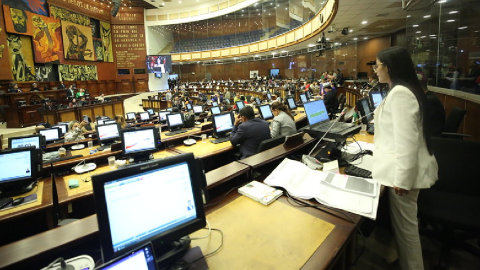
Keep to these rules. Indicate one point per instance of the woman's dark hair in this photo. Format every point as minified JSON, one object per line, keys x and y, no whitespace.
{"x":402,"y":72}
{"x":279,"y":106}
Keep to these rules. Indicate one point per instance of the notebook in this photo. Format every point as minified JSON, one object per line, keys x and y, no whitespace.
{"x":260,"y":192}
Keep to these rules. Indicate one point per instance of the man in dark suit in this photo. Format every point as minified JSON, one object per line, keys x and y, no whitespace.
{"x":330,"y":99}
{"x":70,"y":92}
{"x":61,"y":85}
{"x":249,"y":132}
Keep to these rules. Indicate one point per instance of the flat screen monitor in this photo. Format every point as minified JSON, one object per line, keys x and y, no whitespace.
{"x":269,"y":97}
{"x":158,"y":201}
{"x":158,"y":75}
{"x":240,"y":104}
{"x":274,"y":72}
{"x":108,"y":122}
{"x":169,"y":109}
{"x":63,"y":128}
{"x":316,"y":112}
{"x":222,"y":124}
{"x":364,"y":109}
{"x":150,"y":111}
{"x":162,"y":116}
{"x":291,"y":103}
{"x":36,"y":140}
{"x":18,"y":170}
{"x":144,"y":116}
{"x":51,"y":134}
{"x":141,"y":258}
{"x":108,"y":133}
{"x":214,"y":103}
{"x":131,"y":116}
{"x":189,"y":106}
{"x":257,"y":100}
{"x":100,"y":122}
{"x":175,"y":120}
{"x":215,"y":110}
{"x":375,"y":98}
{"x":159,"y":64}
{"x":197,"y":109}
{"x":308,"y":95}
{"x":140,"y":141}
{"x":303,"y":98}
{"x":265,"y":112}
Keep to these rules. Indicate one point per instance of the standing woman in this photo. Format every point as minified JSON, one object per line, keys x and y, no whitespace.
{"x":403,"y":159}
{"x":283,"y":123}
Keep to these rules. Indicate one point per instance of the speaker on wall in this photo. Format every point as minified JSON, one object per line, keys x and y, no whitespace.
{"x":115,"y":7}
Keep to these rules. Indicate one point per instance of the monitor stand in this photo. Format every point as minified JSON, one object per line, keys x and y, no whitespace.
{"x":171,"y":252}
{"x":140,"y":158}
{"x":14,"y":190}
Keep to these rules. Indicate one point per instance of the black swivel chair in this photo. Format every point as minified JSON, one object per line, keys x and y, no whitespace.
{"x":452,"y":124}
{"x":270,"y":143}
{"x":452,"y":205}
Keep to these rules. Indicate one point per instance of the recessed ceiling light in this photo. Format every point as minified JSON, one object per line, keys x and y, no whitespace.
{"x":415,"y":25}
{"x":351,"y":30}
{"x":423,"y":36}
{"x":365,"y":38}
{"x":453,"y":12}
{"x":427,"y":16}
{"x":355,"y":39}
{"x":311,"y":45}
{"x":408,"y":16}
{"x":450,"y":20}
{"x":284,"y":51}
{"x":364,"y":22}
{"x":418,"y":32}
{"x":442,"y":1}
{"x":463,"y":27}
{"x":179,"y":2}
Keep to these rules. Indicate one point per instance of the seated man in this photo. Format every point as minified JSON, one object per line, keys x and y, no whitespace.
{"x":249,"y":132}
{"x":34,"y":88}
{"x":330,"y":99}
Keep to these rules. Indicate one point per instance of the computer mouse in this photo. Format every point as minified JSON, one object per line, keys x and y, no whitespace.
{"x":18,"y":201}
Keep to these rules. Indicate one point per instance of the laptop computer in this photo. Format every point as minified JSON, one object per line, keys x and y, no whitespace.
{"x":319,"y":121}
{"x":141,"y":258}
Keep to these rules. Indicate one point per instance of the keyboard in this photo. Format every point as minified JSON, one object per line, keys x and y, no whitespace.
{"x":4,"y":202}
{"x":221,"y":140}
{"x":175,"y":132}
{"x":101,"y":148}
{"x":337,"y":127}
{"x":356,"y":171}
{"x":57,"y":159}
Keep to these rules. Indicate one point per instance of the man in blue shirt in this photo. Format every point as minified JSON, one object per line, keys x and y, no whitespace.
{"x":248,"y":132}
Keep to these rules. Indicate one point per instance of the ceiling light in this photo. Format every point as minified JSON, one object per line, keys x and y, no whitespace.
{"x":408,"y":16}
{"x":442,"y":1}
{"x":179,"y":2}
{"x":365,"y":38}
{"x":453,"y":12}
{"x":423,"y":36}
{"x":450,"y":20}
{"x":311,"y":45}
{"x":415,"y":25}
{"x":364,"y":22}
{"x":427,"y":16}
{"x":463,"y":27}
{"x":350,"y":30}
{"x":284,"y":51}
{"x":355,"y":39}
{"x":418,"y":32}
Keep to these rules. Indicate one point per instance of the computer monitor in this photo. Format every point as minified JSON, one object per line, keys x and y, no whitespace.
{"x":308,"y":95}
{"x":141,"y":258}
{"x":364,"y":109}
{"x":291,"y":103}
{"x":214,"y":103}
{"x":108,"y":133}
{"x":188,"y":106}
{"x":63,"y":128}
{"x":51,"y":134}
{"x":197,"y":109}
{"x":144,"y":116}
{"x":36,"y":140}
{"x":266,"y":112}
{"x":303,"y":98}
{"x":175,"y":121}
{"x":240,"y":104}
{"x":257,"y":100}
{"x":150,"y":111}
{"x":269,"y":97}
{"x":222,"y":124}
{"x":169,"y":109}
{"x":376,"y":98}
{"x":108,"y":122}
{"x":316,"y":112}
{"x":18,"y":169}
{"x":158,"y":201}
{"x":131,"y":116}
{"x":215,"y":110}
{"x":101,"y":122}
{"x":162,"y":116}
{"x":139,"y":143}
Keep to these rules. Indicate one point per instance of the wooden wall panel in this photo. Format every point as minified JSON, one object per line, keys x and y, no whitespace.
{"x":97,"y":111}
{"x":108,"y":111}
{"x":367,"y":51}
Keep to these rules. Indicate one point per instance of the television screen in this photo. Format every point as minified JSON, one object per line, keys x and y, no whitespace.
{"x":108,"y":132}
{"x":274,"y":71}
{"x":158,"y":75}
{"x":214,"y":103}
{"x":150,"y":111}
{"x":257,"y":100}
{"x":316,"y":112}
{"x":159,"y":63}
{"x":376,"y":98}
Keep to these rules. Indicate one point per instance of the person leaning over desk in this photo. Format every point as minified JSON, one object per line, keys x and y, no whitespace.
{"x":283,"y":124}
{"x":403,"y":159}
{"x":75,"y":132}
{"x":249,"y":132}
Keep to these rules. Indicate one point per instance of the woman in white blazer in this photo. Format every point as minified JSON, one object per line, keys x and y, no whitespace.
{"x":403,"y":159}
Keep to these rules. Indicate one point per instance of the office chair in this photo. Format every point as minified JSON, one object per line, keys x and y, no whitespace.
{"x":270,"y":143}
{"x":452,"y":124}
{"x":452,"y":205}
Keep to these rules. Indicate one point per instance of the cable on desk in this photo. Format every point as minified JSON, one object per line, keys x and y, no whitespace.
{"x":213,"y":252}
{"x":208,"y":234}
{"x":321,"y":208}
{"x":224,"y":196}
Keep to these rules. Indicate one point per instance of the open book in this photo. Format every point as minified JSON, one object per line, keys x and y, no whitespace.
{"x":356,"y":195}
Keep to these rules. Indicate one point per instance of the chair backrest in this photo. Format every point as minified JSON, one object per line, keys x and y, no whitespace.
{"x":457,"y":166}
{"x":270,"y":143}
{"x":454,"y":119}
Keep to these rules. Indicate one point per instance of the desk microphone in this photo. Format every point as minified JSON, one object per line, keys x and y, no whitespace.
{"x":189,"y":141}
{"x":86,"y":167}
{"x":312,"y":162}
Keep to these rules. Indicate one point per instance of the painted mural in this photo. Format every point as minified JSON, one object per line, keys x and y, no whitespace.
{"x":18,"y":21}
{"x":77,"y":41}
{"x":47,"y":39}
{"x":69,"y":16}
{"x":77,"y":72}
{"x":35,"y":6}
{"x":106,"y":34}
{"x":21,"y":59}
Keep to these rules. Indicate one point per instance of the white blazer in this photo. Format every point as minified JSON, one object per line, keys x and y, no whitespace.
{"x":401,"y":156}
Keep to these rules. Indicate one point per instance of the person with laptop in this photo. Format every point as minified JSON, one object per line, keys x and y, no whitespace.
{"x":249,"y":132}
{"x":403,"y":160}
{"x":75,"y":132}
{"x":283,"y":124}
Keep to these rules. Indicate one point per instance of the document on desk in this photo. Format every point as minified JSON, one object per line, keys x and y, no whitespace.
{"x":356,"y":195}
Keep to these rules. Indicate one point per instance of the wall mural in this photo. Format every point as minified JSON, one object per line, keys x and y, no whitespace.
{"x":77,"y":73}
{"x":46,"y":73}
{"x":18,"y":21}
{"x":35,"y":6}
{"x":77,"y":41}
{"x":69,"y":16}
{"x":106,"y":34}
{"x":47,"y":39}
{"x":21,"y":59}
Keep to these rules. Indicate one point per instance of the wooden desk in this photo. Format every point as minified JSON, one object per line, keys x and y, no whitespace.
{"x":197,"y":130}
{"x":103,"y":155}
{"x":205,"y":150}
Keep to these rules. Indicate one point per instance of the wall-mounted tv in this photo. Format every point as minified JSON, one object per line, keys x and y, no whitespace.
{"x":159,"y":63}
